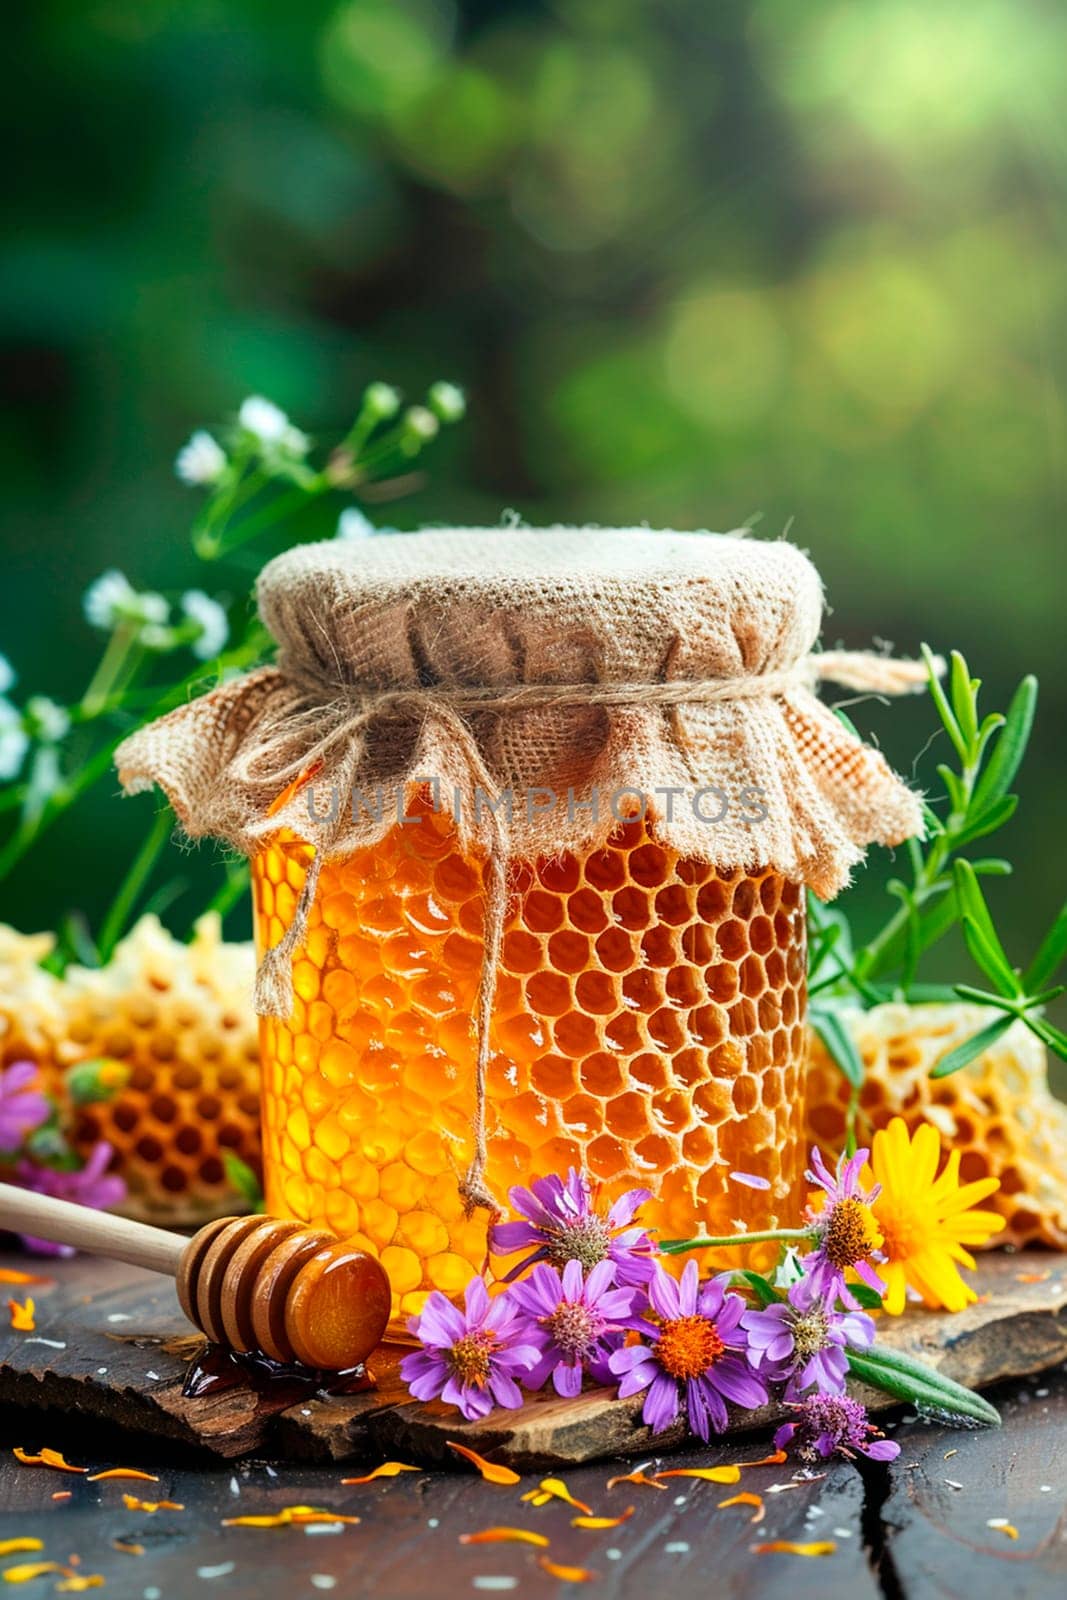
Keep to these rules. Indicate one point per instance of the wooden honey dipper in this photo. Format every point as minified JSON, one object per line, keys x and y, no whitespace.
{"x":250,"y":1283}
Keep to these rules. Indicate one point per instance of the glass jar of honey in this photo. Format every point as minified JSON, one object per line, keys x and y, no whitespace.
{"x":531,"y":816}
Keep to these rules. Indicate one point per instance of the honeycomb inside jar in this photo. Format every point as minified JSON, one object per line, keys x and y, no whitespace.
{"x":648,"y":1027}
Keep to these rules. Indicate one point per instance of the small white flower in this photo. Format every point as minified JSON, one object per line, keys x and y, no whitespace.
{"x":7,"y":675}
{"x":263,"y":419}
{"x":51,"y":722}
{"x":295,"y":442}
{"x":157,"y":636}
{"x":111,"y":599}
{"x":108,"y":598}
{"x":14,"y":741}
{"x":352,"y":524}
{"x":202,"y":460}
{"x":211,"y":618}
{"x":421,"y":422}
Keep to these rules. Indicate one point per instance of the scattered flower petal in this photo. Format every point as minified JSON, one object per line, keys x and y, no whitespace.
{"x":388,"y":1469}
{"x":775,"y":1459}
{"x":26,"y":1571}
{"x":745,"y":1499}
{"x":126,"y":1548}
{"x":62,"y":1494}
{"x":78,"y":1582}
{"x":750,"y":1180}
{"x":709,"y":1474}
{"x":821,"y":1547}
{"x":1002,"y":1525}
{"x":491,"y":1471}
{"x":299,"y":1516}
{"x":566,"y":1574}
{"x":555,"y":1489}
{"x":47,"y":1458}
{"x":14,"y":1547}
{"x":131,"y":1502}
{"x":121,"y":1472}
{"x":595,"y":1523}
{"x":22,"y":1315}
{"x":504,"y":1536}
{"x":13,"y":1275}
{"x":636,"y":1477}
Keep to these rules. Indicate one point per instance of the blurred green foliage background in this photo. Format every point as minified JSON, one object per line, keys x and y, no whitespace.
{"x":794,"y":260}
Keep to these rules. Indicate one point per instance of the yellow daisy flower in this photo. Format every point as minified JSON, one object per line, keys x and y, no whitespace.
{"x":925,"y":1220}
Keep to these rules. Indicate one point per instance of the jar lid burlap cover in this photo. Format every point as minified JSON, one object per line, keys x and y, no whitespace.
{"x":566,"y":661}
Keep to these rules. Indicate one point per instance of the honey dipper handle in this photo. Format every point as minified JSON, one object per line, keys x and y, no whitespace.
{"x":96,"y":1231}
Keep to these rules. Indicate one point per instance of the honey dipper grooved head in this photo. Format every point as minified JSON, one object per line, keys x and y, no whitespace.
{"x":257,"y":1283}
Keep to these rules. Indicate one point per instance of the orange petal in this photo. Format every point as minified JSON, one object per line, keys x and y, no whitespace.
{"x":491,"y":1471}
{"x":12,"y":1275}
{"x":503,"y":1536}
{"x":388,"y":1469}
{"x":126,"y":1548}
{"x":603,"y":1522}
{"x":47,"y":1458}
{"x":121,"y":1472}
{"x":1032,"y":1277}
{"x":636,"y":1477}
{"x":300,"y":1516}
{"x":822,"y":1547}
{"x":745,"y":1500}
{"x":62,"y":1494}
{"x":14,"y":1547}
{"x":556,"y":1489}
{"x":775,"y":1459}
{"x":566,"y":1574}
{"x":709,"y":1474}
{"x":131,"y":1502}
{"x":1002,"y":1525}
{"x":28,"y":1570}
{"x":80,"y":1581}
{"x":22,"y":1315}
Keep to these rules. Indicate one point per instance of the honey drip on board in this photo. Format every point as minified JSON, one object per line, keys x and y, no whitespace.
{"x":648,"y":1026}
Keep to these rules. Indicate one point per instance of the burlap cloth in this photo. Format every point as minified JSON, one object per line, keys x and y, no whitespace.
{"x":565,"y":662}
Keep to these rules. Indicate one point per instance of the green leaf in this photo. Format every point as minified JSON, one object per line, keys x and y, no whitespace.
{"x":1010,"y":747}
{"x":839,"y":1043}
{"x":972,"y":1047}
{"x":243,"y":1179}
{"x":982,"y":940}
{"x":907,"y":1379}
{"x":762,"y":1288}
{"x":980,"y":824}
{"x":868,"y":1298}
{"x":1052,"y":950}
{"x":1049,"y":1035}
{"x":991,"y":960}
{"x":964,"y":690}
{"x":944,"y":710}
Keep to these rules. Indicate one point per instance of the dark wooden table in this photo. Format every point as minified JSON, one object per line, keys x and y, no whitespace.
{"x":920,"y":1528}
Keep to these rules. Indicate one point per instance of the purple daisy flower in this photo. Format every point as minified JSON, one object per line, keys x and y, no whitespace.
{"x":697,"y":1358}
{"x":802,"y":1341}
{"x":845,"y":1231}
{"x":22,"y":1105}
{"x":89,"y":1185}
{"x":829,"y":1424}
{"x":469,"y":1358}
{"x":576,"y":1322}
{"x":562,"y":1224}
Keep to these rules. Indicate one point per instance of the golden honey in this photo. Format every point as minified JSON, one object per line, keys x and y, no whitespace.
{"x":648,"y":1026}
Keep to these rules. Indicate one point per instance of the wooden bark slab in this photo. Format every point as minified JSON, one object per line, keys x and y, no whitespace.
{"x":111,"y":1343}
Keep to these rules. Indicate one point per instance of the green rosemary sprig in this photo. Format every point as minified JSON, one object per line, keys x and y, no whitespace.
{"x":944,"y":893}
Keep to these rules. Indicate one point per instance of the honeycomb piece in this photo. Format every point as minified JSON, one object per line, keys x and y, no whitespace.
{"x":649,"y":1026}
{"x":31,"y":1004}
{"x":180,"y":1018}
{"x":997,"y":1111}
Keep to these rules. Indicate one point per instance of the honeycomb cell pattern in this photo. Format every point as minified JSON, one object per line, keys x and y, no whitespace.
{"x":648,"y":1027}
{"x":178,"y":1017}
{"x":997,"y":1111}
